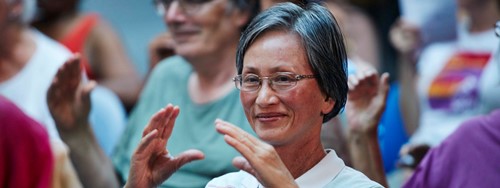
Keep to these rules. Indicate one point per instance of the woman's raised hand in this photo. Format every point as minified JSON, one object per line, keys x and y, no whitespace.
{"x":259,"y":158}
{"x":151,"y":163}
{"x":68,"y":98}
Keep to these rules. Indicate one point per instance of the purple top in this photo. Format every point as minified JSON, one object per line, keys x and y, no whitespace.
{"x":470,"y":157}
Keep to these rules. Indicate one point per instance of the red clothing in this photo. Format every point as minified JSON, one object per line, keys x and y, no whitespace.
{"x":26,"y":158}
{"x":75,"y":40}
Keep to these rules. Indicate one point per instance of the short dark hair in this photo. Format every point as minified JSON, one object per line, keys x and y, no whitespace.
{"x":321,"y":38}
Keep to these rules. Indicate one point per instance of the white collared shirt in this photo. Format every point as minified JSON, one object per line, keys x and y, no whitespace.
{"x":329,"y":172}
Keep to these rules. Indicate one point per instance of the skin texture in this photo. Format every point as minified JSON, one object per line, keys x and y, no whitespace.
{"x":205,"y":32}
{"x":66,"y":89}
{"x":405,"y":37}
{"x":366,"y":103}
{"x":69,"y":103}
{"x":208,"y":40}
{"x":288,"y":120}
{"x":64,"y":174}
{"x":282,"y":117}
{"x":151,"y":162}
{"x":258,"y":158}
{"x":283,"y":129}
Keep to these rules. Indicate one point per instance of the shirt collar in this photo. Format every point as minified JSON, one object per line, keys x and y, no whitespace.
{"x":323,"y":172}
{"x":318,"y":176}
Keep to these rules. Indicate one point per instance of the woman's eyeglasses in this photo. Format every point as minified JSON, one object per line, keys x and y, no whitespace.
{"x":188,"y":6}
{"x":278,"y":81}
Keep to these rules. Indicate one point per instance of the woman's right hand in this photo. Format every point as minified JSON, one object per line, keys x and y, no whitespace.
{"x":161,"y":47}
{"x":68,"y":98}
{"x":151,"y":162}
{"x":405,"y":38}
{"x":259,"y":158}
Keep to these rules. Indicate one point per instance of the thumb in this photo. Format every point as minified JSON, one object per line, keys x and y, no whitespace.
{"x":187,"y":156}
{"x":87,"y":88}
{"x":242,"y":164}
{"x":384,"y":85}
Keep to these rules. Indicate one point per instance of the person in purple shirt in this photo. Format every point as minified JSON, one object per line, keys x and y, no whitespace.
{"x":467,"y":158}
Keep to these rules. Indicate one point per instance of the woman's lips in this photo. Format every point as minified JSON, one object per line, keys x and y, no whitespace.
{"x":183,"y":35}
{"x":269,"y":117}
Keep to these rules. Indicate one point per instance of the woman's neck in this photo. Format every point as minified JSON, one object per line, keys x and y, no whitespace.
{"x":300,"y":158}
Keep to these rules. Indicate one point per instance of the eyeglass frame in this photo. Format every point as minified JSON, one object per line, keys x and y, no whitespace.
{"x":238,"y":80}
{"x":162,"y":6}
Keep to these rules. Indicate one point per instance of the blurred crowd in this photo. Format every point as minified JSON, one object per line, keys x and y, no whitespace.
{"x":407,"y":93}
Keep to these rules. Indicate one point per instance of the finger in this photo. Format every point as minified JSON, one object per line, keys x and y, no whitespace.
{"x":384,"y":84}
{"x":368,"y":78}
{"x":163,"y":120}
{"x":234,"y":131}
{"x":74,"y":65}
{"x":167,"y":131}
{"x":242,"y":146}
{"x":242,"y":164}
{"x":352,"y":82}
{"x":184,"y":158}
{"x":73,"y":71}
{"x":54,"y":91}
{"x":240,"y":140}
{"x":151,"y":124}
{"x":69,"y":76}
{"x":188,"y":156}
{"x":146,"y":141}
{"x":86,"y":90}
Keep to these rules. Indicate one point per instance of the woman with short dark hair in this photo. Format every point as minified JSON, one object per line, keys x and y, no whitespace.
{"x":291,"y":64}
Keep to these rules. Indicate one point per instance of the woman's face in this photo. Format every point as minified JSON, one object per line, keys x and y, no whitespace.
{"x":283,"y":117}
{"x":207,"y":31}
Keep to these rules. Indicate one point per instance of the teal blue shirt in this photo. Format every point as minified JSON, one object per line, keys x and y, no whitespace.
{"x":194,"y":127}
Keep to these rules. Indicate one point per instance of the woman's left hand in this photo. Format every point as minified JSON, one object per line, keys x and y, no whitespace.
{"x":259,"y":158}
{"x":151,"y":162}
{"x":366,"y":100}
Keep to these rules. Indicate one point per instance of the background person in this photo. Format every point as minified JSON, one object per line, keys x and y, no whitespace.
{"x":205,"y":35}
{"x":282,"y":77}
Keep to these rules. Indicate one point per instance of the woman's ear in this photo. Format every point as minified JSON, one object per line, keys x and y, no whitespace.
{"x":328,"y":105}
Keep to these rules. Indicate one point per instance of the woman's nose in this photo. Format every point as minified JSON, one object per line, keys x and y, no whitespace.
{"x":266,"y":95}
